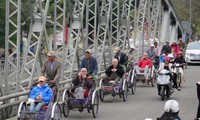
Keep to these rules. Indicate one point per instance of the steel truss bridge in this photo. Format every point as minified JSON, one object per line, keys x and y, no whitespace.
{"x":99,"y":25}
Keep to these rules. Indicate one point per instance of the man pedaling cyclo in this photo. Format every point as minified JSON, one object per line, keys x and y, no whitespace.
{"x":51,"y":69}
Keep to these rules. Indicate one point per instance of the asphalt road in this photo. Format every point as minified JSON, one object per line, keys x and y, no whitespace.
{"x":146,"y":103}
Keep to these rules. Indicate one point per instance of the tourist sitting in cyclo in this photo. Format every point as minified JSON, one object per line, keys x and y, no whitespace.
{"x":144,"y":66}
{"x":40,"y":95}
{"x":84,"y":81}
{"x":114,"y":72}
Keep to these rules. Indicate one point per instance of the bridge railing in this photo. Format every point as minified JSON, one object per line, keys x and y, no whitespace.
{"x":15,"y":97}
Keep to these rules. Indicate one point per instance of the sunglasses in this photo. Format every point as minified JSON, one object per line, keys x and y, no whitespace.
{"x":41,"y":81}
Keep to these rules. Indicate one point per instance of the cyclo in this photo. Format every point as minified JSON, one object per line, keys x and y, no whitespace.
{"x":115,"y":82}
{"x":81,"y":97}
{"x":146,"y":74}
{"x":49,"y":111}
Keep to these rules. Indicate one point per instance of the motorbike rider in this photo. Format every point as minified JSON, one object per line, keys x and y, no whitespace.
{"x":181,"y":61}
{"x":171,"y":111}
{"x":171,"y":56}
{"x":167,"y":66}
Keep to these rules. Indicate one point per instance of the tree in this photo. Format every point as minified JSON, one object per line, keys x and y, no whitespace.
{"x":182,"y":9}
{"x":2,"y":22}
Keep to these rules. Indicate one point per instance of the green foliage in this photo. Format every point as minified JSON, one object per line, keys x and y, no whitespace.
{"x":183,"y":11}
{"x":2,"y":22}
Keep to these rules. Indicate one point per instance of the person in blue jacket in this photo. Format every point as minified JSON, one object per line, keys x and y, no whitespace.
{"x":41,"y":95}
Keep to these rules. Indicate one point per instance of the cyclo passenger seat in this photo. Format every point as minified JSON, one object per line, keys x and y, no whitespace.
{"x":87,"y":89}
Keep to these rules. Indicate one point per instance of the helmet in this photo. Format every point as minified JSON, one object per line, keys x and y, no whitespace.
{"x":179,"y":53}
{"x":170,"y":56}
{"x":166,"y":58}
{"x":172,"y":106}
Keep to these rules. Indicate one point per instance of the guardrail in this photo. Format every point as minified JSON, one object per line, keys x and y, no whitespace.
{"x":23,"y":93}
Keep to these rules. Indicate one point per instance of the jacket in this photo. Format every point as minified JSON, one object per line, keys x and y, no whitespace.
{"x":53,"y":74}
{"x":87,"y":82}
{"x":120,"y":71}
{"x":175,"y":47}
{"x":44,"y":90}
{"x":123,"y":58}
{"x":145,"y":62}
{"x":151,"y":53}
{"x":166,"y":49}
{"x":169,"y":116}
{"x":90,"y":65}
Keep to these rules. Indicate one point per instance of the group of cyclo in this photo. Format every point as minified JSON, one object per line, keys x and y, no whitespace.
{"x":83,"y":92}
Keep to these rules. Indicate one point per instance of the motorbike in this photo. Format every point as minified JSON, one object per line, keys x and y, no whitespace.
{"x":164,"y":84}
{"x":177,"y":69}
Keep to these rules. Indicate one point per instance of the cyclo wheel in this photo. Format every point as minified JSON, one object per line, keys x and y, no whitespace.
{"x":65,"y":105}
{"x":95,"y":104}
{"x":22,"y":107}
{"x":101,"y":91}
{"x":125,"y":90}
{"x":57,"y":112}
{"x":133,"y":85}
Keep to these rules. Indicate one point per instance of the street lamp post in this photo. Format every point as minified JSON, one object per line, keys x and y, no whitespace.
{"x":190,"y":20}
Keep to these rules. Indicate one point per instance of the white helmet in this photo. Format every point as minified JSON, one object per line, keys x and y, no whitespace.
{"x":172,"y":106}
{"x":170,"y":55}
{"x":148,"y":119}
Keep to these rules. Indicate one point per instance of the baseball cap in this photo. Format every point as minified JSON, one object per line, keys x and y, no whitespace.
{"x":51,"y":53}
{"x":42,"y":78}
{"x":117,"y":49}
{"x":88,"y":51}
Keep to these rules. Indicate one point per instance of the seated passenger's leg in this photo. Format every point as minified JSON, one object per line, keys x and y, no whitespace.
{"x":106,"y":80}
{"x":137,"y":69}
{"x":39,"y":106}
{"x":32,"y":106}
{"x":117,"y":79}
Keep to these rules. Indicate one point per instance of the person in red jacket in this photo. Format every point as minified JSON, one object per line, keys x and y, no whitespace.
{"x":144,"y":65}
{"x":175,"y":47}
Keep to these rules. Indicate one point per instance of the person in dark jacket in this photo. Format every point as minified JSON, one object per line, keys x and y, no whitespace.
{"x":171,"y":111}
{"x":120,"y":56}
{"x":42,"y":92}
{"x":114,"y":72}
{"x":166,"y":48}
{"x":90,"y":63}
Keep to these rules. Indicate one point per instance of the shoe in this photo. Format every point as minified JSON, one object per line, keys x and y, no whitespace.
{"x":179,"y":89}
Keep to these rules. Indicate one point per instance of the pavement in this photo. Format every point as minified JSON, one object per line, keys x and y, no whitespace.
{"x":146,"y":103}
